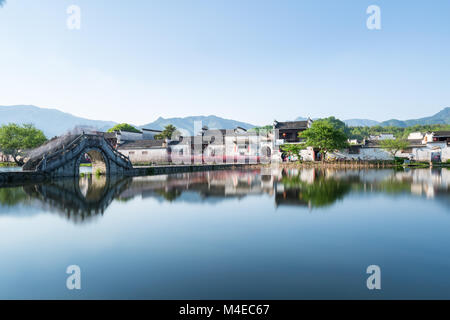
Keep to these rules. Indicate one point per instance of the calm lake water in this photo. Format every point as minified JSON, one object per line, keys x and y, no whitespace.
{"x":253,"y":234}
{"x":9,"y":169}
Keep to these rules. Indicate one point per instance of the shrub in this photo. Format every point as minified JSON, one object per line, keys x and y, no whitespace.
{"x":399,"y":161}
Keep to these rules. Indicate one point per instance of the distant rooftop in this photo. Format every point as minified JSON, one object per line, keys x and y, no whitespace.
{"x":152,"y":130}
{"x":291,"y":125}
{"x":438,"y":134}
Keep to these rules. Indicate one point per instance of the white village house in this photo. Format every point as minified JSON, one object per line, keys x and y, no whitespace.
{"x":240,"y":145}
{"x":431,"y":146}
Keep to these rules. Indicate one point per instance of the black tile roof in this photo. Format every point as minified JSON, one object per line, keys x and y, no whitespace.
{"x":415,"y":142}
{"x":152,"y":130}
{"x":109,"y":135}
{"x":442,"y":133}
{"x":377,"y":143}
{"x":142,"y":144}
{"x":292,"y":125}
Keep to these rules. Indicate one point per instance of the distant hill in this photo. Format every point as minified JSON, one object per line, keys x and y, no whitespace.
{"x":51,"y":121}
{"x":187,"y":123}
{"x":349,"y":122}
{"x":442,"y":117}
{"x":54,"y":122}
{"x":361,"y":123}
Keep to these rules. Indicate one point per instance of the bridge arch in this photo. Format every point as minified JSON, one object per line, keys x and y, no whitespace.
{"x":98,"y":158}
{"x":64,"y":157}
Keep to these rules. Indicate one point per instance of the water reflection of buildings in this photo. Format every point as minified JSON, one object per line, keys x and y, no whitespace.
{"x":212,"y":184}
{"x":429,"y":182}
{"x":313,"y":188}
{"x":84,"y":199}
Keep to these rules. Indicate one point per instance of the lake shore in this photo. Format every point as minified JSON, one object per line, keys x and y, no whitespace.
{"x":359,"y":164}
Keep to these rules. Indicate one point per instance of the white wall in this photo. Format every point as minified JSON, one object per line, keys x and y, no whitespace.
{"x":419,"y":154}
{"x":147,"y":155}
{"x":415,"y":136}
{"x":364,"y":154}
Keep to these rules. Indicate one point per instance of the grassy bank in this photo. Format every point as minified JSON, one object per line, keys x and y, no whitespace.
{"x":363,"y":164}
{"x":7,"y":164}
{"x":341,"y":164}
{"x":85,"y":164}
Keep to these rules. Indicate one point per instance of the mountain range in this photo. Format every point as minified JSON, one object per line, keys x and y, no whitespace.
{"x":442,"y":117}
{"x":187,"y":123}
{"x":54,"y":122}
{"x":51,"y":121}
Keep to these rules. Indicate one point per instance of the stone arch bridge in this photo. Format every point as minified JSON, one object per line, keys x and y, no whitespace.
{"x":63,"y":157}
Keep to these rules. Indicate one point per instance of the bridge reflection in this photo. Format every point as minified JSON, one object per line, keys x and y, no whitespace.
{"x":78,"y":198}
{"x":88,"y":197}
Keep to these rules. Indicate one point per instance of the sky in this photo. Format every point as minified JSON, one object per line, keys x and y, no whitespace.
{"x":248,"y":60}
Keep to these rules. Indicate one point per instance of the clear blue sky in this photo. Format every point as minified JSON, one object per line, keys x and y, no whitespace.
{"x":249,"y":60}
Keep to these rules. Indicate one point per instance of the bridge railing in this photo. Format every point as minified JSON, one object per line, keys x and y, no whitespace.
{"x":60,"y":152}
{"x":117,"y":153}
{"x":73,"y":144}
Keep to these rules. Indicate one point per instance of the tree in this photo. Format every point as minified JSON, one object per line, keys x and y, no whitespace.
{"x":124,"y":127}
{"x":166,"y":133}
{"x":262,"y":130}
{"x":293,"y":149}
{"x":324,"y":136}
{"x":15,"y":139}
{"x":394,"y":145}
{"x":337,"y":123}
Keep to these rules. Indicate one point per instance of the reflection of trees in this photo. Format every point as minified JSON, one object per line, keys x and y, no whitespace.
{"x":323,"y":192}
{"x":169,"y":195}
{"x":323,"y":187}
{"x":12,"y":196}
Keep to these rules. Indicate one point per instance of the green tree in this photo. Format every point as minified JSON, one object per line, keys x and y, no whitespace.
{"x":394,"y":145}
{"x":364,"y":132}
{"x":324,"y":136}
{"x":293,"y":149}
{"x":338,"y":124}
{"x":263,"y":130}
{"x":167,"y":132}
{"x":16,"y":139}
{"x":124,"y":127}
